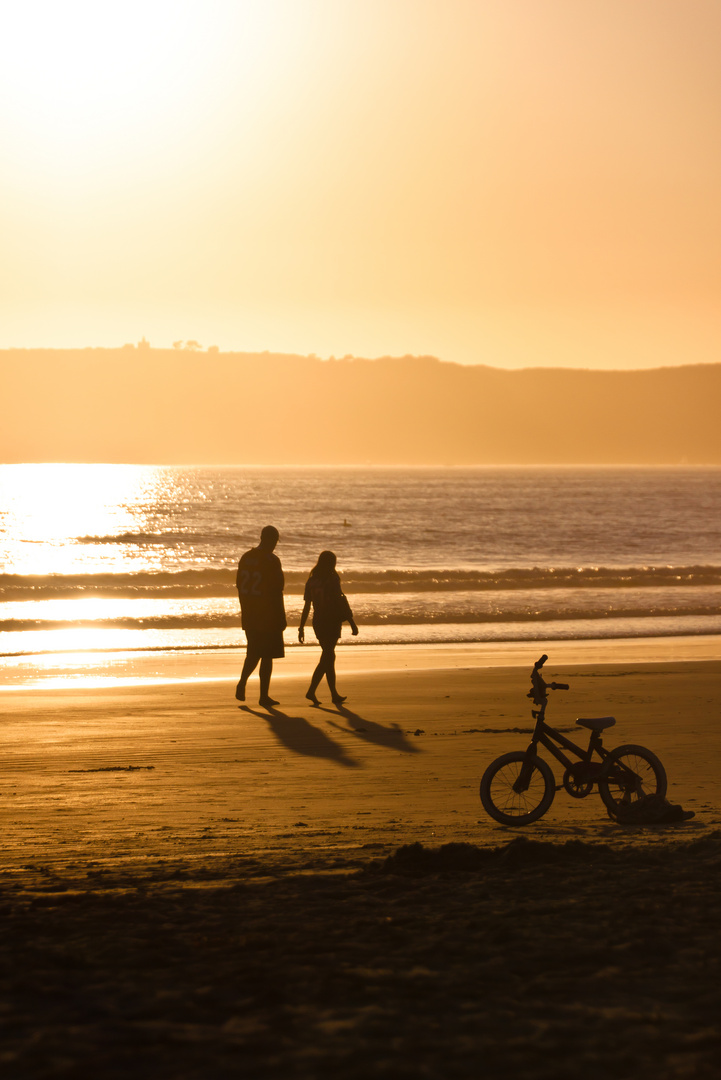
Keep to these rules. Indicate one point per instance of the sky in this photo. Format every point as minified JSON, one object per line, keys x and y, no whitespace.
{"x":515,"y":183}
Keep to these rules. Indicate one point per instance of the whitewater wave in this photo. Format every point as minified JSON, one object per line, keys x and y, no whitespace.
{"x":162,"y":539}
{"x":84,"y":641}
{"x":220,"y":581}
{"x":450,"y":616}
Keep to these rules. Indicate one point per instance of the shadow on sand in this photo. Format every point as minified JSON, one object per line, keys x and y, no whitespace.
{"x":301,"y":737}
{"x":391,"y":737}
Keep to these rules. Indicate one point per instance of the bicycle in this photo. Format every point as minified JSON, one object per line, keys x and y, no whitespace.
{"x":519,"y":787}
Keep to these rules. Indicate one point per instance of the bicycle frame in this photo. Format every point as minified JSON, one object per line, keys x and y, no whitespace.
{"x":545,"y":735}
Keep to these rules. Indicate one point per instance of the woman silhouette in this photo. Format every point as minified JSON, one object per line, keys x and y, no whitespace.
{"x":330,"y":611}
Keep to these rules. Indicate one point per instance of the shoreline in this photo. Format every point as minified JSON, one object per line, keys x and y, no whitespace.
{"x":93,"y":670}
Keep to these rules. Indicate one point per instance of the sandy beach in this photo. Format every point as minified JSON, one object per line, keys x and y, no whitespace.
{"x":196,"y":888}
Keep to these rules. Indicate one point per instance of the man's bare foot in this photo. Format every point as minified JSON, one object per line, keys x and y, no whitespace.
{"x":267,"y":702}
{"x":240,"y":692}
{"x":338,"y":699}
{"x":311,"y":697}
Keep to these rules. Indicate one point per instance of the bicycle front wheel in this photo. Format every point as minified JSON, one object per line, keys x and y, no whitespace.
{"x":630,"y":773}
{"x":500,"y":795}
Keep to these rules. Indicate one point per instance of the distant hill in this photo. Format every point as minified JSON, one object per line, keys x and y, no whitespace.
{"x":166,"y":406}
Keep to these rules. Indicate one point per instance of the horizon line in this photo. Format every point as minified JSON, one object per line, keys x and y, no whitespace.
{"x":144,"y":346}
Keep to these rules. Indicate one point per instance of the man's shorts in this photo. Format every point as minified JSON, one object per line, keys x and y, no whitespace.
{"x":265,"y":644}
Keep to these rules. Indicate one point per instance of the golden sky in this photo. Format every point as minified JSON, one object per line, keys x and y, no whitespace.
{"x":505,"y":182}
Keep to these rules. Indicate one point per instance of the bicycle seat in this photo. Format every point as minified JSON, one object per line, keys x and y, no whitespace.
{"x":596,"y":723}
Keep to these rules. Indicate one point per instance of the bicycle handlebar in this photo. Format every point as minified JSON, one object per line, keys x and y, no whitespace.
{"x":539,"y":686}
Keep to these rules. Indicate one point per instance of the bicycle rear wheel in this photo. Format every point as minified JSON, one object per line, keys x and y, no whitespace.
{"x":509,"y":806}
{"x":630,"y":773}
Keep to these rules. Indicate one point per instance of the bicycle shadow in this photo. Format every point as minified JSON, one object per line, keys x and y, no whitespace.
{"x":301,"y":737}
{"x":591,"y":831}
{"x":393,"y":737}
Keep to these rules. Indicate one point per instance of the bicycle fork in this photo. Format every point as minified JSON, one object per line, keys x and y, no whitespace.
{"x":524,"y":776}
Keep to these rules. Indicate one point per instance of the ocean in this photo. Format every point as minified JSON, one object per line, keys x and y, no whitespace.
{"x":122,"y":557}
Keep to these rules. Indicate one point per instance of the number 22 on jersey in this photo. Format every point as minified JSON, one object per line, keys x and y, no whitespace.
{"x":250,"y":581}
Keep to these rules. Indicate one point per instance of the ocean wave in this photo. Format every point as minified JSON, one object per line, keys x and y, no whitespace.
{"x":162,"y":539}
{"x":512,"y":578}
{"x":17,"y":646}
{"x":420,"y":617}
{"x":220,"y":581}
{"x":144,"y":583}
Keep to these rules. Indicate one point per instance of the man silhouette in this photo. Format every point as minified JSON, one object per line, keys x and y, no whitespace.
{"x":260,"y":590}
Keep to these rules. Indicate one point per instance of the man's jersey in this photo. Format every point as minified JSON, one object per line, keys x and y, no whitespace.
{"x":260,"y":584}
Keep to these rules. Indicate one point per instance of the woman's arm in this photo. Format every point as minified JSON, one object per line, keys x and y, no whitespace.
{"x":303,"y":620}
{"x":347,"y":614}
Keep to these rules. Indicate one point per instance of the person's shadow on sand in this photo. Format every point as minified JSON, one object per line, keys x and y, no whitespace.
{"x":298,"y":735}
{"x":391,"y":737}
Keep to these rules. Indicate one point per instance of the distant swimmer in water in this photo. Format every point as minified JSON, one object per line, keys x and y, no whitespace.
{"x":346,"y":523}
{"x":260,"y":590}
{"x":330,"y":611}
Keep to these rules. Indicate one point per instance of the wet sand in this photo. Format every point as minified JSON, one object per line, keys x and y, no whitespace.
{"x":194,"y":888}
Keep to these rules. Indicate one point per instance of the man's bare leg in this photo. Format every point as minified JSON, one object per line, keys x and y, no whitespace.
{"x":251,"y":662}
{"x":266,"y":670}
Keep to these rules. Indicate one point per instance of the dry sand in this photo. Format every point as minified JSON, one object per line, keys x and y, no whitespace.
{"x":194,"y":889}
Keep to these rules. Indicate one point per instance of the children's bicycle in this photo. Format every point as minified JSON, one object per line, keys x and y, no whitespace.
{"x":519,"y":787}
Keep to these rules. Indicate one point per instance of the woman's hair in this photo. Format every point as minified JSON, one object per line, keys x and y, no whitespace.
{"x":325,"y":565}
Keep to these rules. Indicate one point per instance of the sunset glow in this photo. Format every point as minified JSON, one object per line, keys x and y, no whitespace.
{"x":513,"y":184}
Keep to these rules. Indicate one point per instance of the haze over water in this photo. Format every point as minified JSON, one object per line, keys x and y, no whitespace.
{"x":98,"y":557}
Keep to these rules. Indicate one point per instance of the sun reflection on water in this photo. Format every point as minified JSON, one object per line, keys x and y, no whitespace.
{"x":48,"y":508}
